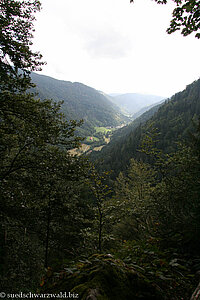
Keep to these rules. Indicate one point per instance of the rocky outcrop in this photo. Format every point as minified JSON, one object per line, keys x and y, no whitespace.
{"x":102,"y":278}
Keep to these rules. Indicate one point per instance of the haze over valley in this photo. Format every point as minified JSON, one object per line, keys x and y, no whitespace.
{"x":101,"y":114}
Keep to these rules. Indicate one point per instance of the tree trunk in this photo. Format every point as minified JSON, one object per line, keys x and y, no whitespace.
{"x":47,"y":236}
{"x":100,"y":232}
{"x":196,"y":294}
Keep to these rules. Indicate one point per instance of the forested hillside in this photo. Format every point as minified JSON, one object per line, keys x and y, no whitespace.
{"x":173,"y":122}
{"x":79,"y":102}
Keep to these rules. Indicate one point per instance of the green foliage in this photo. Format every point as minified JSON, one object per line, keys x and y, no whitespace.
{"x":23,"y":258}
{"x":40,"y":182}
{"x":117,"y":154}
{"x":185,"y":17}
{"x":102,"y":277}
{"x":92,"y":139}
{"x":173,"y":120}
{"x":102,"y":130}
{"x":169,"y":271}
{"x":135,"y":271}
{"x":132,"y":218}
{"x":153,"y":219}
{"x":177,"y":199}
{"x":163,"y":198}
{"x":16,"y":23}
{"x":23,"y":129}
{"x":100,"y":190}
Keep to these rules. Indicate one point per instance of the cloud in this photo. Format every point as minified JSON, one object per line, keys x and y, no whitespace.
{"x":98,"y":25}
{"x":106,"y":43}
{"x":116,"y":47}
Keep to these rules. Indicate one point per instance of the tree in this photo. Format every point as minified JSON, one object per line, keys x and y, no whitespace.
{"x":100,"y":190}
{"x":176,"y":194}
{"x":185,"y":17}
{"x":38,"y":176}
{"x":54,"y":190}
{"x":17,"y":59}
{"x":20,"y":116}
{"x":133,"y":201}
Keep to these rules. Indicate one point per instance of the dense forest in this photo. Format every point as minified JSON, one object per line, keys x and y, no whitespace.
{"x":125,"y":228}
{"x":174,"y":122}
{"x":80,"y":102}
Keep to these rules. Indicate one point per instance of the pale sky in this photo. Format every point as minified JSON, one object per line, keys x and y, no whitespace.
{"x":116,"y":47}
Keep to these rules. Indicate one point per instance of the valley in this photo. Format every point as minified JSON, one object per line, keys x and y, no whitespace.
{"x":80,"y":102}
{"x":103,"y":115}
{"x":96,"y":142}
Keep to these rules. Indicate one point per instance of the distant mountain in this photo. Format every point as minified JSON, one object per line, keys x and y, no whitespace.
{"x":173,"y":120}
{"x":146,"y":108}
{"x":80,"y":102}
{"x":131,"y":103}
{"x":114,"y":94}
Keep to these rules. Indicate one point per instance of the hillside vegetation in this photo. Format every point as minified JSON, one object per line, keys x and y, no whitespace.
{"x":173,"y":122}
{"x":79,"y":102}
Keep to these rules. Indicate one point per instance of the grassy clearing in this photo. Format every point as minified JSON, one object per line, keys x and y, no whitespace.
{"x":102,"y":129}
{"x":94,"y":139}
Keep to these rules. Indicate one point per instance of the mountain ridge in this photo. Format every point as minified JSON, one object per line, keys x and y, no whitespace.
{"x":131,"y":103}
{"x":79,"y":102}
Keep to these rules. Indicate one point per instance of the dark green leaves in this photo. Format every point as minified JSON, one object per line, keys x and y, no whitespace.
{"x":16,"y":33}
{"x":185,"y":17}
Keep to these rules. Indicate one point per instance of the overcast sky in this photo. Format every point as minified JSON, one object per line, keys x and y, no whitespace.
{"x":115,"y":46}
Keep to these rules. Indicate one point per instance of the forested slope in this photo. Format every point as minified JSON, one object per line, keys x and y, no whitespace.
{"x":79,"y":102}
{"x":173,"y":122}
